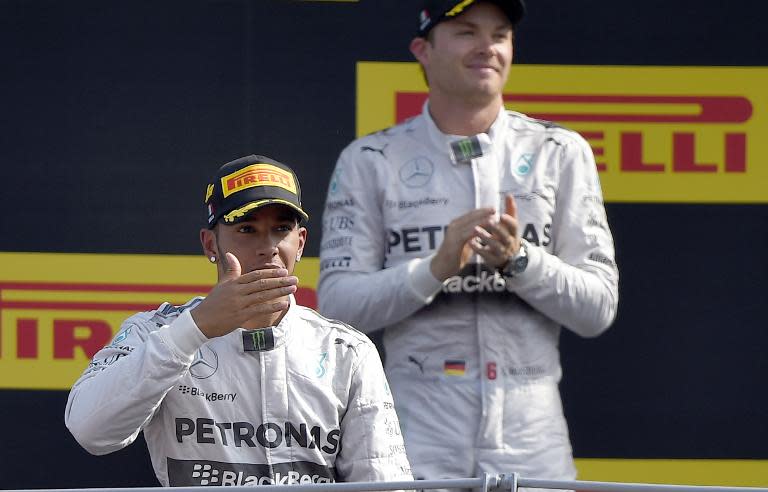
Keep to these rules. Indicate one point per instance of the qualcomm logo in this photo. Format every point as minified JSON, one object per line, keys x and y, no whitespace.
{"x":416,"y":172}
{"x":320,"y":369}
{"x":205,"y":364}
{"x":334,"y":186}
{"x":524,"y":164}
{"x":121,"y":336}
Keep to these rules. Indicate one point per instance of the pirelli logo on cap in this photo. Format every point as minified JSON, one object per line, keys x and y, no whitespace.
{"x":658,"y":134}
{"x":257,"y":175}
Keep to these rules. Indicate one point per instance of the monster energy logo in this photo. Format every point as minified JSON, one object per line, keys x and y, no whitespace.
{"x":258,"y":340}
{"x":466,"y":149}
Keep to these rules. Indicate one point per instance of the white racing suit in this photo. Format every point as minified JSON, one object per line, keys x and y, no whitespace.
{"x":305,"y":401}
{"x":473,"y":362}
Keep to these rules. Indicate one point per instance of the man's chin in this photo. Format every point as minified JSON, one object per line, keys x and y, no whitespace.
{"x":484,"y":93}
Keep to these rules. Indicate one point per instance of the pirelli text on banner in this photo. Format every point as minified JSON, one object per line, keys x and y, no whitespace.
{"x":659,"y":134}
{"x":52,"y":322}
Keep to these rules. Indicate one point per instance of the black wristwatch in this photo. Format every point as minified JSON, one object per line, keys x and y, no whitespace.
{"x":518,"y":262}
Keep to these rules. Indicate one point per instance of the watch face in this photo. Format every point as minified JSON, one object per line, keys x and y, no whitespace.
{"x":516,"y":266}
{"x":520,"y":264}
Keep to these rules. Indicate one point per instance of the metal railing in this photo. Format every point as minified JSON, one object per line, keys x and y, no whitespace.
{"x":488,"y":483}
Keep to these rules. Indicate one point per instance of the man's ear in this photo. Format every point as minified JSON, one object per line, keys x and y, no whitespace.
{"x":419,"y":49}
{"x":208,"y":242}
{"x":302,"y":242}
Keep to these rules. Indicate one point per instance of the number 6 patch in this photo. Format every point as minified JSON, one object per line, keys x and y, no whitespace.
{"x":490,"y":370}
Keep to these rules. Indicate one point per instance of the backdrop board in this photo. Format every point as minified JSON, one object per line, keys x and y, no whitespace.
{"x":115,"y":114}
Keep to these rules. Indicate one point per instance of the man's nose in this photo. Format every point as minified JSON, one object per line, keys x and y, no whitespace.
{"x":266,"y":244}
{"x":485,"y":43}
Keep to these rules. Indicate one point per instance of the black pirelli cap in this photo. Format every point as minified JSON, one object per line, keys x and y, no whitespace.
{"x":245,"y":184}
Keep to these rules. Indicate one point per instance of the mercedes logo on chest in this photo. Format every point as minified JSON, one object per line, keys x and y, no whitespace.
{"x":205,"y":364}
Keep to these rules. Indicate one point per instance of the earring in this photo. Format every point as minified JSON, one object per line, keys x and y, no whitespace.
{"x":298,"y":258}
{"x":212,"y":259}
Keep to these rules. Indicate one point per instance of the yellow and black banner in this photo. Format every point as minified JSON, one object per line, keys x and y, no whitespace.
{"x":659,"y":134}
{"x":58,"y":310}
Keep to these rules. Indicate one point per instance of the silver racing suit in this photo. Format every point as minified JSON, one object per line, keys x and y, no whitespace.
{"x":473,"y":361}
{"x":305,"y":401}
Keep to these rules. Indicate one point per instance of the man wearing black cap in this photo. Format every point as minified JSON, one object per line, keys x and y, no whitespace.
{"x":473,"y":235}
{"x":244,"y":386}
